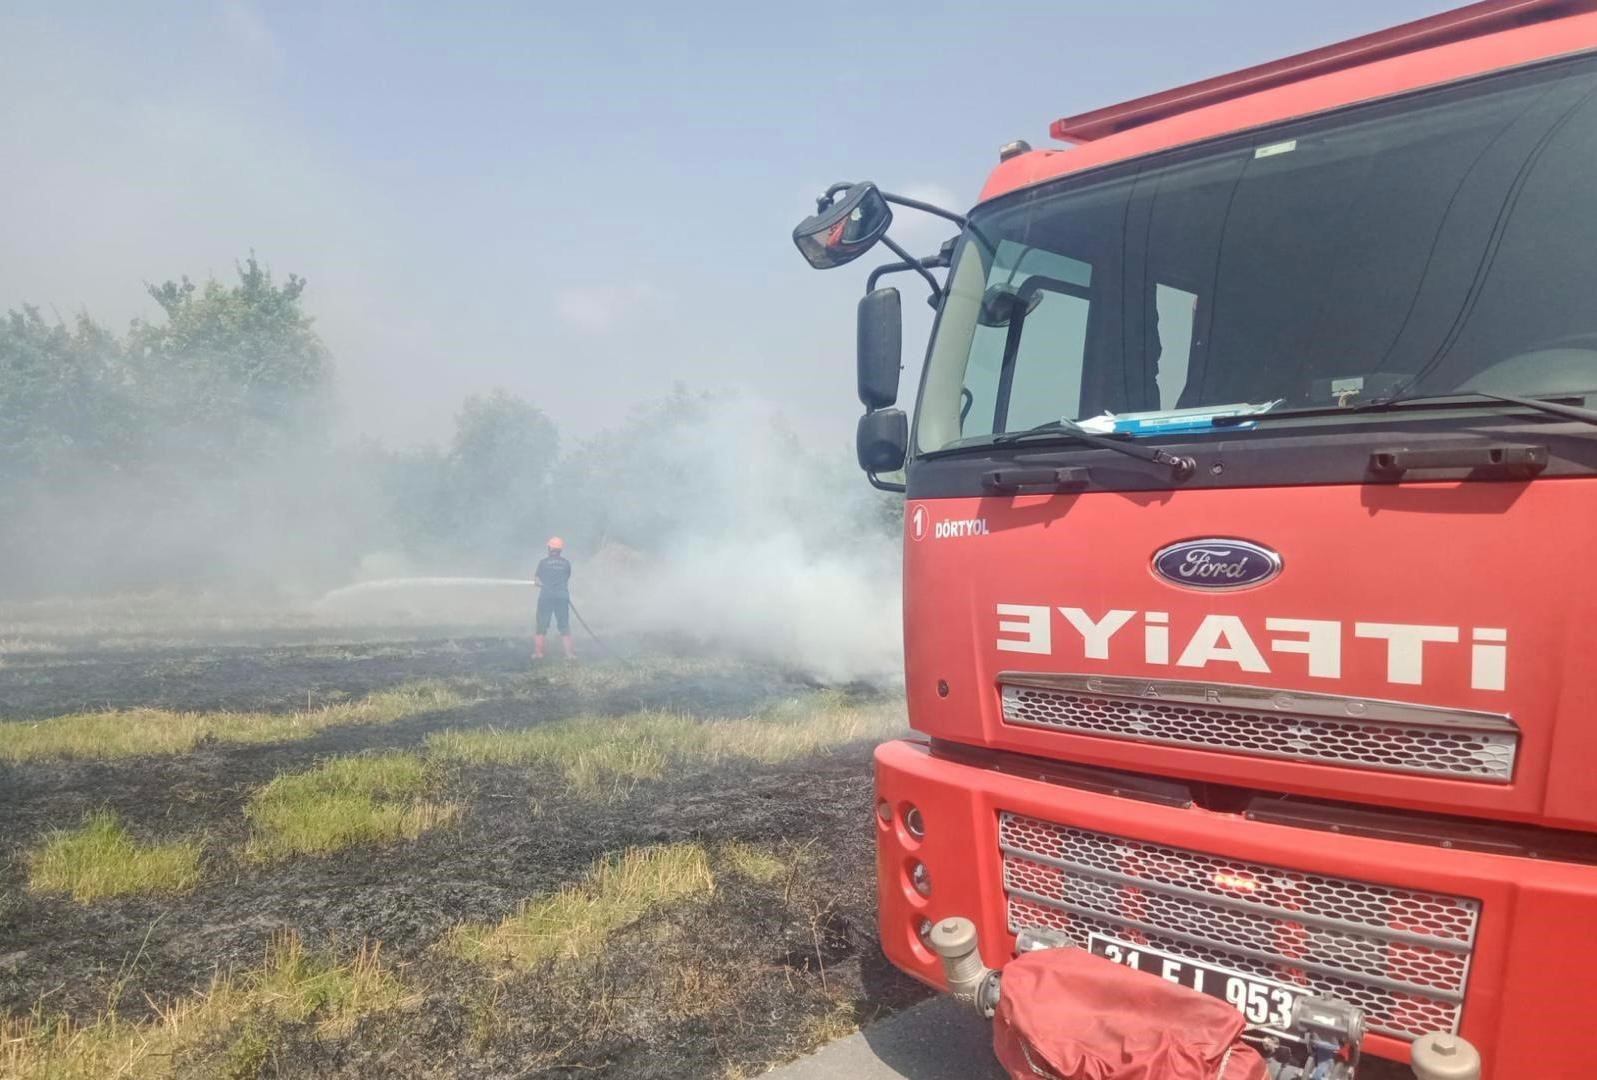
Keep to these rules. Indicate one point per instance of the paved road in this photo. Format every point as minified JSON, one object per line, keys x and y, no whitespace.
{"x":936,"y":1040}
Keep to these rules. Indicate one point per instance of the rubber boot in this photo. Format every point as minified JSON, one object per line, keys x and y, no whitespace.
{"x":537,"y":646}
{"x":565,"y":643}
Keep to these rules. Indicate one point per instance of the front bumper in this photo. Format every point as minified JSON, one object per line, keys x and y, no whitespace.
{"x":1532,"y":964}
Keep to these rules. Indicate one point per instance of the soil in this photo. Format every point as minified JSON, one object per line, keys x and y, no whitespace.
{"x":772,"y":959}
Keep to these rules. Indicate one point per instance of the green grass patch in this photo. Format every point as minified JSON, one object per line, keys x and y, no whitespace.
{"x":755,"y":863}
{"x":607,"y":755}
{"x":125,"y":733}
{"x":346,"y":801}
{"x":577,"y":919}
{"x":247,"y":1055}
{"x":802,"y":726}
{"x":597,"y":755}
{"x":293,"y":985}
{"x":298,"y":984}
{"x":101,"y":858}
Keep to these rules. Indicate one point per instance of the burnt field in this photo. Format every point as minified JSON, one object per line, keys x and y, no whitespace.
{"x":422,"y":855}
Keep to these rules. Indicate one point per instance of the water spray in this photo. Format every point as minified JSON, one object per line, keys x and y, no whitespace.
{"x":423,"y":582}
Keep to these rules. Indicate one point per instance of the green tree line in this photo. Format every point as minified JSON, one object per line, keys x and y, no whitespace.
{"x":198,"y":447}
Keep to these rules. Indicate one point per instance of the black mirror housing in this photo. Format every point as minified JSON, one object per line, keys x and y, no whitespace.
{"x":846,"y":229}
{"x":880,"y":348}
{"x":1001,"y":303}
{"x":882,"y":441}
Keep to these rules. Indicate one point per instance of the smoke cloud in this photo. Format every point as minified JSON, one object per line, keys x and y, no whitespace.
{"x":763,"y":546}
{"x":198,"y":456}
{"x":702,"y":521}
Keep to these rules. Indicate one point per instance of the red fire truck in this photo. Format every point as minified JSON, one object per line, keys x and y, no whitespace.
{"x":1250,"y":550}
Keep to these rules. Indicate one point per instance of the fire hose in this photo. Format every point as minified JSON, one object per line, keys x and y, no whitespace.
{"x":578,"y":616}
{"x":584,"y":622}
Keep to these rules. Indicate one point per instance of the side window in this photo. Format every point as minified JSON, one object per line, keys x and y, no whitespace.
{"x":979,"y":397}
{"x":1046,"y":384}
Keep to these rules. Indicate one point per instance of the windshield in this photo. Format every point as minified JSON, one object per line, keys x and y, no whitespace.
{"x":1445,"y":242}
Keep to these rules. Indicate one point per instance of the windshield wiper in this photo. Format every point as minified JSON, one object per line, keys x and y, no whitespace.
{"x":1181,"y":467}
{"x":1462,"y":398}
{"x":1556,"y":408}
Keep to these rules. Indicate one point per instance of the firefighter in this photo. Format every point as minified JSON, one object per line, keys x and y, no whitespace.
{"x":553,"y":578}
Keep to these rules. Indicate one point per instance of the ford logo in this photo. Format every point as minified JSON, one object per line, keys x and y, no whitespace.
{"x":1216,"y":564}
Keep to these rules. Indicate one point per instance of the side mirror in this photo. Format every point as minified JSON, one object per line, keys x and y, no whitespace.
{"x":880,"y":348}
{"x":882,"y":441}
{"x":846,"y":229}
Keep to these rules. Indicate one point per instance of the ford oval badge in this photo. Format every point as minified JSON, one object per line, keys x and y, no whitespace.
{"x":1216,"y":563}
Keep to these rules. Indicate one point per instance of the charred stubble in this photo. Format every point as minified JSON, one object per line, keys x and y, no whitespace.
{"x":716,"y":983}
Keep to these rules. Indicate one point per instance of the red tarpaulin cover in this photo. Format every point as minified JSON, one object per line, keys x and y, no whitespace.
{"x":1065,"y":1014}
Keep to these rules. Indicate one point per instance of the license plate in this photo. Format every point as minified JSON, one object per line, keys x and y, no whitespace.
{"x":1264,"y":1003}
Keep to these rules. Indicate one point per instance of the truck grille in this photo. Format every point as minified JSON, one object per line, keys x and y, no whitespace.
{"x":1428,"y":749}
{"x":1401,"y":955}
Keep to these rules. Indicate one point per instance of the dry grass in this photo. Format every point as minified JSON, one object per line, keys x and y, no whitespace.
{"x":101,"y":858}
{"x":124,"y":733}
{"x":592,"y":676}
{"x":841,"y":1020}
{"x":298,"y":984}
{"x":578,"y":918}
{"x":803,"y":726}
{"x":292,"y":985}
{"x":16,"y":646}
{"x":345,"y":801}
{"x":755,"y":863}
{"x":606,"y":756}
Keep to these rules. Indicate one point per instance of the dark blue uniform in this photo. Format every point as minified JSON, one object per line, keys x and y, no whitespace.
{"x":554,"y":598}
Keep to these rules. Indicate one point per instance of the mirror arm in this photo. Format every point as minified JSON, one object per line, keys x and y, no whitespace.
{"x":914,"y":204}
{"x":930,"y":262}
{"x":883,"y":270}
{"x":924,"y":207}
{"x":912,"y":263}
{"x":884,"y":485}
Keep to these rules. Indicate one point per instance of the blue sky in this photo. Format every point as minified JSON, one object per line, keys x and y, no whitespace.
{"x":581,"y":203}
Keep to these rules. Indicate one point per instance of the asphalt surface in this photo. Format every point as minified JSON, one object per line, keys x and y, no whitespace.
{"x":936,"y":1040}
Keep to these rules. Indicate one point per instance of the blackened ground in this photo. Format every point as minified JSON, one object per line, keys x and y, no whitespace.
{"x":768,"y":964}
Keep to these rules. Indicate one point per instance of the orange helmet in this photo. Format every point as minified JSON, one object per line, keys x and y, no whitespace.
{"x":556,"y":544}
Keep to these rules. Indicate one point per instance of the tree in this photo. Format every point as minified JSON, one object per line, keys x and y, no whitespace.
{"x":67,"y":424}
{"x":503,"y":448}
{"x":497,"y":473}
{"x":64,"y":395}
{"x":173,"y":453}
{"x":639,"y":482}
{"x":234,"y":369}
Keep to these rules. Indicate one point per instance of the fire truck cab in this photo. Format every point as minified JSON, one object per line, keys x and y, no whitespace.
{"x":1250,"y":546}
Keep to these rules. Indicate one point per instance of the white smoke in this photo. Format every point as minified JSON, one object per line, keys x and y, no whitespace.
{"x":833,"y":615}
{"x":706,"y":521}
{"x":770,"y":547}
